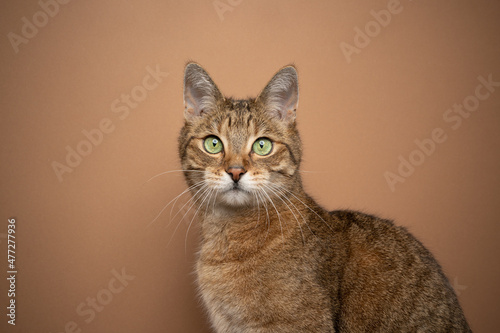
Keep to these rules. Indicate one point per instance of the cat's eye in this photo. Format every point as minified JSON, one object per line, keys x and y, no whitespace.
{"x":213,"y":145}
{"x":262,"y":146}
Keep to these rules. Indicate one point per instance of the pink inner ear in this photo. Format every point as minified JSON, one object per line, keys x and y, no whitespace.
{"x":281,"y":94}
{"x":200,"y":93}
{"x":193,"y":99}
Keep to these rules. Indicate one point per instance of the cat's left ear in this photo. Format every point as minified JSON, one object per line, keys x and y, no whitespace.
{"x":281,"y":95}
{"x":200,"y":92}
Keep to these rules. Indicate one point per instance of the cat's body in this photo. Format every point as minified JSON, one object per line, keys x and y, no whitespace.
{"x":271,"y":259}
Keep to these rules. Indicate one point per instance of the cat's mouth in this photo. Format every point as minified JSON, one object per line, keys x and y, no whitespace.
{"x":237,"y":190}
{"x":236,"y":187}
{"x":236,"y":195}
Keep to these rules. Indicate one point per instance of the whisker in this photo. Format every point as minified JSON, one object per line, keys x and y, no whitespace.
{"x":170,"y":171}
{"x":187,"y":190}
{"x":205,"y":196}
{"x":298,"y":210}
{"x":177,"y":197}
{"x":268,"y":221}
{"x":279,"y":195}
{"x":279,"y":217}
{"x":312,"y":210}
{"x":258,"y":208}
{"x":208,"y":202}
{"x":192,"y":202}
{"x":215,"y":199}
{"x":305,"y":171}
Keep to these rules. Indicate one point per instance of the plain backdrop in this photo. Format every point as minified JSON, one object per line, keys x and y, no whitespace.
{"x":371,"y":92}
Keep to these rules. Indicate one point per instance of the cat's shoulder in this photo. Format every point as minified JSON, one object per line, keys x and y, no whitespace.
{"x":358,"y":218}
{"x":365,"y":229}
{"x":366,"y":223}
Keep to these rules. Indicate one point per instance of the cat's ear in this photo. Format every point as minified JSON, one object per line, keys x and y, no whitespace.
{"x":281,"y":95}
{"x":200,"y":92}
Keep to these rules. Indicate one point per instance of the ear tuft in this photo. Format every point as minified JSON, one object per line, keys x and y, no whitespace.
{"x":281,"y":95}
{"x":200,"y":92}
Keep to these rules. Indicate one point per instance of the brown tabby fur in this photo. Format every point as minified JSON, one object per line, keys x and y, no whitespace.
{"x":280,"y":262}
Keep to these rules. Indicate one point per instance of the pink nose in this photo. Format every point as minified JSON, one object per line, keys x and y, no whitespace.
{"x":236,"y":172}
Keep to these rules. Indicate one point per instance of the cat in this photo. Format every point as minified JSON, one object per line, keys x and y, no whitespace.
{"x":271,"y":259}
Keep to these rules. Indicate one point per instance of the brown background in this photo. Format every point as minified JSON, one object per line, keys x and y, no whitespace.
{"x":355,"y":119}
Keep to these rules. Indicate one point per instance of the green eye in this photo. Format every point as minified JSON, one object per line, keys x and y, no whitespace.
{"x":213,"y":145}
{"x":262,"y":146}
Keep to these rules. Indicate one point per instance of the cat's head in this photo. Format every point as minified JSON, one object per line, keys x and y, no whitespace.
{"x":240,"y":152}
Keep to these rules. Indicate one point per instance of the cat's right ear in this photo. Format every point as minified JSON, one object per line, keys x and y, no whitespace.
{"x":281,"y":95}
{"x":200,"y":92}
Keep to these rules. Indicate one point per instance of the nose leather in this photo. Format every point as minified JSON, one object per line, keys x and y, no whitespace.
{"x":236,"y":172}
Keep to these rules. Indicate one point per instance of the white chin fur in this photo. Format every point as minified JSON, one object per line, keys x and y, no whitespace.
{"x":231,"y":197}
{"x":236,"y":198}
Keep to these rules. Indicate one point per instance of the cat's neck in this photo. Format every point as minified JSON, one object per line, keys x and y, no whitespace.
{"x":233,"y":233}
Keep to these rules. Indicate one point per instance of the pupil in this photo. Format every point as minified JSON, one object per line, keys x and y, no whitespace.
{"x":214,"y":142}
{"x":261,"y":144}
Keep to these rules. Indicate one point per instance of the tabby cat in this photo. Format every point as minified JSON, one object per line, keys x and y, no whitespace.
{"x":272,"y":259}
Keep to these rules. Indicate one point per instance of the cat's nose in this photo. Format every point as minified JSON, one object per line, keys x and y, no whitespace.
{"x":236,"y":172}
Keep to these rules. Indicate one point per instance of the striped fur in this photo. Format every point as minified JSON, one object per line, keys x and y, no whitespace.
{"x":271,"y":259}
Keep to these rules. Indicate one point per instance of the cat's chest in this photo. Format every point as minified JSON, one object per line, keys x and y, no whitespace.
{"x":259,"y":289}
{"x":233,"y":285}
{"x":238,"y":293}
{"x":243,"y":280}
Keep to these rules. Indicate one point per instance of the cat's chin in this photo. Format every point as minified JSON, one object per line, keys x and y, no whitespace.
{"x":236,"y":197}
